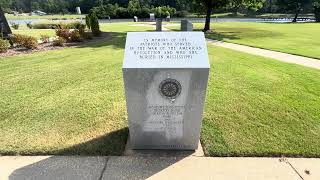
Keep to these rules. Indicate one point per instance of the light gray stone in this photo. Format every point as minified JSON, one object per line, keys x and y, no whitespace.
{"x":135,"y":19}
{"x":165,"y":75}
{"x":159,"y":25}
{"x":152,"y":16}
{"x":129,"y":151}
{"x":186,"y":25}
{"x":78,"y":10}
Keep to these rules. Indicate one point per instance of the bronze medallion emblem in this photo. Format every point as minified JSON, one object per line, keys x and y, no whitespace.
{"x":170,"y":88}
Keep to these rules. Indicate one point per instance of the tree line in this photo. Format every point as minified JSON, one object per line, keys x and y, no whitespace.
{"x":163,"y":8}
{"x":190,"y":6}
{"x":68,"y":6}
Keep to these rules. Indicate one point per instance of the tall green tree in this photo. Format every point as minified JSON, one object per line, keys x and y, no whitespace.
{"x":94,"y":24}
{"x":209,"y":6}
{"x":294,"y":6}
{"x":250,"y":5}
{"x":316,"y":6}
{"x":133,"y":7}
{"x":5,"y":3}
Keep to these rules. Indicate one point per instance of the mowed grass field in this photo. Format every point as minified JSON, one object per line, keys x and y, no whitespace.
{"x":23,"y":29}
{"x":294,"y":38}
{"x":260,"y":107}
{"x":67,"y":101}
{"x":71,"y":101}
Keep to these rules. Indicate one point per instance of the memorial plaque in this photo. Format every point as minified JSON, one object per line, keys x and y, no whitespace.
{"x":165,"y":76}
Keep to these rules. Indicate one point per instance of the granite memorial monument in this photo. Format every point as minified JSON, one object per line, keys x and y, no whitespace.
{"x":165,"y":77}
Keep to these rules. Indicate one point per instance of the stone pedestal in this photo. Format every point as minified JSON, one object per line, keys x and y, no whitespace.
{"x":152,"y":17}
{"x":159,"y":25}
{"x":165,"y":76}
{"x":186,"y":25}
{"x":135,"y":19}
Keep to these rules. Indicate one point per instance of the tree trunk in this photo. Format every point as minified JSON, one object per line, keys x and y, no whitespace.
{"x":208,"y":16}
{"x":317,"y":13}
{"x":296,"y":15}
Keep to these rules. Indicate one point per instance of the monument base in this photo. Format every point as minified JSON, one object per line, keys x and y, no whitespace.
{"x":161,"y":153}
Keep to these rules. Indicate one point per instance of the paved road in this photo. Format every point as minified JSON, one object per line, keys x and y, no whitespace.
{"x":128,"y":167}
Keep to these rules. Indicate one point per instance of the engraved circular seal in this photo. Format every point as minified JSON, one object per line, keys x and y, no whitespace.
{"x":170,"y":88}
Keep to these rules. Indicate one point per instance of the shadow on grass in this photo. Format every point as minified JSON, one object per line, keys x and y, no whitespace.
{"x":112,"y":143}
{"x":109,"y":144}
{"x":108,"y":39}
{"x":239,"y":33}
{"x":222,"y":35}
{"x":114,"y":39}
{"x":94,"y":167}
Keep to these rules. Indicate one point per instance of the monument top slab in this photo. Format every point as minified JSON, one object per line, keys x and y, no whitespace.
{"x":166,"y":50}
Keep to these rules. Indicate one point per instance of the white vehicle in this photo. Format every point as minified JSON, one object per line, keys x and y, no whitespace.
{"x":40,"y":13}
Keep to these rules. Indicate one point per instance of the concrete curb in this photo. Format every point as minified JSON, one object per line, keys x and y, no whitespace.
{"x":128,"y":167}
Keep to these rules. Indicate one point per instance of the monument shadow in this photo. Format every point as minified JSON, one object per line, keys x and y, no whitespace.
{"x":92,"y":160}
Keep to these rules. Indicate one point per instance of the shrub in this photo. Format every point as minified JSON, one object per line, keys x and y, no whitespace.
{"x":74,"y":25}
{"x":144,"y":13}
{"x":181,"y":13}
{"x":15,"y":26}
{"x":105,"y":11}
{"x":4,"y":45}
{"x":59,"y":42}
{"x":30,"y":43}
{"x":29,"y":25}
{"x":45,"y":26}
{"x":161,"y":11}
{"x":18,"y":39}
{"x":75,"y":36}
{"x":87,"y":35}
{"x":122,"y":13}
{"x":114,"y":11}
{"x":95,"y":28}
{"x":81,"y":27}
{"x":44,"y":38}
{"x":64,"y":33}
{"x":88,"y":22}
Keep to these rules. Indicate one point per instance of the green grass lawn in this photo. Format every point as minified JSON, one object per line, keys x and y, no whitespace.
{"x":260,"y":107}
{"x":71,"y":101}
{"x":67,"y":101}
{"x":33,"y":32}
{"x":299,"y":38}
{"x":114,"y":27}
